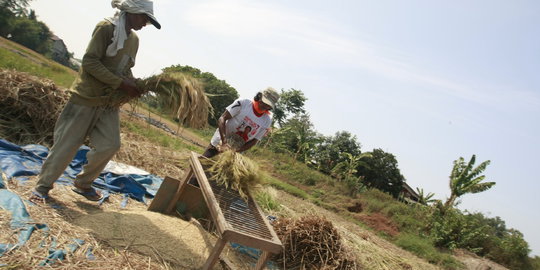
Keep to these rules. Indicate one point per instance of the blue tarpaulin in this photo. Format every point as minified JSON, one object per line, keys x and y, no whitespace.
{"x":19,"y":162}
{"x":20,"y":219}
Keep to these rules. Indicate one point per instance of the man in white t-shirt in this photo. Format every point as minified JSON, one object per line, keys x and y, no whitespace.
{"x":248,"y":120}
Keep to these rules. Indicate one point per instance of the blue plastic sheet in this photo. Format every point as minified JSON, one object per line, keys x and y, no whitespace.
{"x":253,"y":253}
{"x":17,"y":162}
{"x":20,"y":219}
{"x":60,"y":254}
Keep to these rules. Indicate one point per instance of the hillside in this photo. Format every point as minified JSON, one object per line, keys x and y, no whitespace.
{"x":132,"y":238}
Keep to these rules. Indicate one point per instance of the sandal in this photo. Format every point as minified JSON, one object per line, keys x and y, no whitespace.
{"x":90,"y":194}
{"x":38,"y":198}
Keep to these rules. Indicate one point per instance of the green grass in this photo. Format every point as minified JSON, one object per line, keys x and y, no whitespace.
{"x":423,"y":248}
{"x":293,"y":190}
{"x":42,"y":67}
{"x":267,"y":201}
{"x":290,"y":169}
{"x":205,"y":133}
{"x":159,"y":138}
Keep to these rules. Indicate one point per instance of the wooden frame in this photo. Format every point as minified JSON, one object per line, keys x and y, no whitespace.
{"x":172,"y":190}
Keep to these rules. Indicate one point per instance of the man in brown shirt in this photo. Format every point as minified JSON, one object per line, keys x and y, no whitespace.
{"x":105,"y":75}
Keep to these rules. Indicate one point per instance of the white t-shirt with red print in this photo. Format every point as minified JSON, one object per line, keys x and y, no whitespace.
{"x":244,"y":122}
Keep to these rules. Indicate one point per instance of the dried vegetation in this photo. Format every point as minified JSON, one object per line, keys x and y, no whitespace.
{"x":312,"y":242}
{"x":29,"y":107}
{"x":234,"y":171}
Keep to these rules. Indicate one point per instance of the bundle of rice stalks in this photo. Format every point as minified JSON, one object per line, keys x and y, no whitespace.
{"x":234,"y":171}
{"x":235,"y":141}
{"x":29,"y":107}
{"x":312,"y":242}
{"x":179,"y":94}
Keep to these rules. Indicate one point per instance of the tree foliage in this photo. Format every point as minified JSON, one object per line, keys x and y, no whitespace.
{"x":425,"y":199}
{"x":331,"y":150}
{"x":220,"y":93}
{"x":465,"y":178}
{"x":347,"y":171}
{"x":348,"y":168}
{"x":19,"y":24}
{"x":297,"y":136}
{"x":16,"y":7}
{"x":382,"y":172}
{"x":291,"y":102}
{"x":32,"y":34}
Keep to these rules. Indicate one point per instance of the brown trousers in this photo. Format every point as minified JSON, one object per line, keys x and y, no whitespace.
{"x":76,"y":122}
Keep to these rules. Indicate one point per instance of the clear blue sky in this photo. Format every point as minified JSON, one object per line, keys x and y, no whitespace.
{"x":428,"y":81}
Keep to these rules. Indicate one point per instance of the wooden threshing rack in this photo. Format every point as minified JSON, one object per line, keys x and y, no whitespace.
{"x":235,"y":219}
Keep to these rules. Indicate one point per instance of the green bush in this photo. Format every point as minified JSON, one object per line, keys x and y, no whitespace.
{"x":535,"y":262}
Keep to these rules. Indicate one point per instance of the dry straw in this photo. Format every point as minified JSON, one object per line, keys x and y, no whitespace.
{"x":312,"y":242}
{"x":234,"y":171}
{"x":179,"y":94}
{"x":29,"y":107}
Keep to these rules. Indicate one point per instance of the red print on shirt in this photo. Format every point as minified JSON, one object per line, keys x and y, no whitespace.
{"x":247,"y":129}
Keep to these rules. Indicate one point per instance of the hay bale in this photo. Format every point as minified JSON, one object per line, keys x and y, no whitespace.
{"x":234,"y":171}
{"x":29,"y":107}
{"x":312,"y":242}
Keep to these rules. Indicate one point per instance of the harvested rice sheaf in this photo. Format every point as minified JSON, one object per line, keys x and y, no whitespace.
{"x":181,"y":95}
{"x":312,"y":242}
{"x":235,"y":171}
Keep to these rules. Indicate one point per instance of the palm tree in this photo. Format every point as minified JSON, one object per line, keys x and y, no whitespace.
{"x":465,"y":179}
{"x":425,"y":199}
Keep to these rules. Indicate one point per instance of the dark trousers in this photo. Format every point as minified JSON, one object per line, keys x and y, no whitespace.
{"x":210,"y":151}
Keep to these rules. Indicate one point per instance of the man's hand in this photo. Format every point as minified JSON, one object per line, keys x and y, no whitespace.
{"x":223,"y":147}
{"x":130,"y":88}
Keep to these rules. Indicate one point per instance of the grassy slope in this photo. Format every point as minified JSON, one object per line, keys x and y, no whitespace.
{"x":15,"y":56}
{"x":282,"y":173}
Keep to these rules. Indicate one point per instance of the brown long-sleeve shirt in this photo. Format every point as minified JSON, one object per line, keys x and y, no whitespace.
{"x":101,"y":75}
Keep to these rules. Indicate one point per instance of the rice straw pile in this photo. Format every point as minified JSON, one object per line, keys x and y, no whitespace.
{"x":179,"y":94}
{"x":29,"y":107}
{"x":312,"y":242}
{"x":234,"y":171}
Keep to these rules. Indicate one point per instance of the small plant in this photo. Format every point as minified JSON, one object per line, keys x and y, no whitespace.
{"x":267,"y":201}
